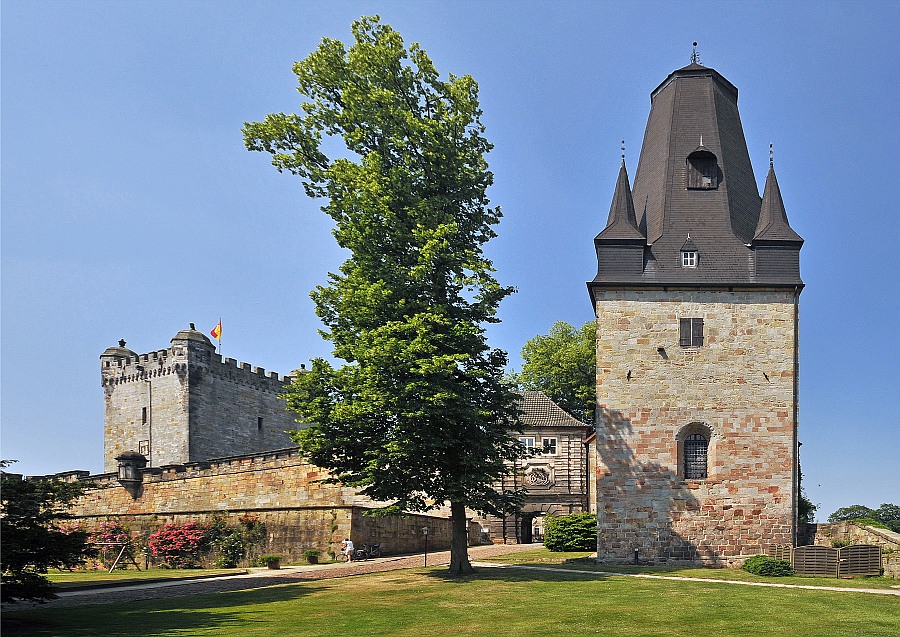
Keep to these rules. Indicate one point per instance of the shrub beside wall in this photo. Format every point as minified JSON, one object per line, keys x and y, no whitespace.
{"x":768,"y":567}
{"x":576,"y":532}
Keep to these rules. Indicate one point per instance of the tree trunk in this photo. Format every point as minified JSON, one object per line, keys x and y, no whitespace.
{"x":459,"y":540}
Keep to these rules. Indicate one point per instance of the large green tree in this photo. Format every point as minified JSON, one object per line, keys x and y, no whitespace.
{"x":419,"y":416}
{"x":31,"y":513}
{"x":563,"y":365}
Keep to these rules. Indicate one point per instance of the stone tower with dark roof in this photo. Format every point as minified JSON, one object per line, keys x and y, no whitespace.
{"x":696,"y":297}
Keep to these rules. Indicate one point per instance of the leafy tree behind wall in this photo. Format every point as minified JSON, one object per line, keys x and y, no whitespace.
{"x":420,"y":415}
{"x":887,"y":514}
{"x":563,"y":365}
{"x":33,"y":538}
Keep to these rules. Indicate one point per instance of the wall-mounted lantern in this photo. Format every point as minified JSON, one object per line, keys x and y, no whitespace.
{"x":130,"y":476}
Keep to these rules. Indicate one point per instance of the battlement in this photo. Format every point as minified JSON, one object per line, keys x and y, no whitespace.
{"x":274,"y":459}
{"x":187,"y":403}
{"x":221,"y":365}
{"x":120,"y":365}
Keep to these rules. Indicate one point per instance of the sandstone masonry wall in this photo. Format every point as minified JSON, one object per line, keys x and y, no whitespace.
{"x":287,"y":493}
{"x":737,"y":389}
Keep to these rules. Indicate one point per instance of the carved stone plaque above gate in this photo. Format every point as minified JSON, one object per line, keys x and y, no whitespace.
{"x":539,"y":477}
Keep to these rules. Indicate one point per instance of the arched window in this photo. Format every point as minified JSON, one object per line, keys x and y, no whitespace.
{"x":696,"y":447}
{"x":702,"y":170}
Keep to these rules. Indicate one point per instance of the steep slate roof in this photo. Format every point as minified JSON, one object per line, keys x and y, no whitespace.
{"x":693,"y":113}
{"x":539,"y":411}
{"x":773,"y":224}
{"x":622,"y":222}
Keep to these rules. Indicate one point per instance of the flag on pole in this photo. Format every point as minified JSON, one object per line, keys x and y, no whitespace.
{"x":217,"y":331}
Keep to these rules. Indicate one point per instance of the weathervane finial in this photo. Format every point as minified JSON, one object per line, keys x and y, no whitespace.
{"x":771,"y":156}
{"x":695,"y":57}
{"x":623,"y":151}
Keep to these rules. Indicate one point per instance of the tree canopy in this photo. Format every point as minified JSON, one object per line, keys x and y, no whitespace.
{"x":563,"y":365}
{"x":419,"y":416}
{"x":33,"y":540}
{"x":887,"y":514}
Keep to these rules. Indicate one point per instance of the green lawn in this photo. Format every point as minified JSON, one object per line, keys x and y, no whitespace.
{"x":67,"y":579}
{"x":543,"y":557}
{"x":493,"y":603}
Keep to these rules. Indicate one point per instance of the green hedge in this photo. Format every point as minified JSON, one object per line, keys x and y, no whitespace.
{"x":576,"y":532}
{"x":768,"y":567}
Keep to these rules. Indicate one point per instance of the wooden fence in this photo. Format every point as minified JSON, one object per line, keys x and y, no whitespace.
{"x":824,"y":561}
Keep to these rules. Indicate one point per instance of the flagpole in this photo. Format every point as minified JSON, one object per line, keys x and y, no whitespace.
{"x":220,"y":336}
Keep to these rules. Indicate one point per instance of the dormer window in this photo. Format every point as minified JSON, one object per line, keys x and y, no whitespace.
{"x":702,"y":170}
{"x":690,"y":256}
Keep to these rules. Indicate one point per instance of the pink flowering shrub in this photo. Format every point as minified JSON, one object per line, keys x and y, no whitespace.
{"x":179,"y":545}
{"x":108,"y":539}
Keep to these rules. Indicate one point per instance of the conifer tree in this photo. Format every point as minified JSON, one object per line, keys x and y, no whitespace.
{"x":419,"y":416}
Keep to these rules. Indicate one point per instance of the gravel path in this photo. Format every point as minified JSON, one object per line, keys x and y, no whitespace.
{"x":260,"y":578}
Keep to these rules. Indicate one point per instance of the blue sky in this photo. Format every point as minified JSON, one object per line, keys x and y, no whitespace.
{"x":131,"y":208}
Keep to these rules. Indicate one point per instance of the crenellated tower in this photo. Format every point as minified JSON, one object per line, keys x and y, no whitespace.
{"x":187,"y":404}
{"x":696,"y":297}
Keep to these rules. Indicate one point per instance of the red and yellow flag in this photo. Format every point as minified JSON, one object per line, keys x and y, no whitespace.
{"x":217,"y":331}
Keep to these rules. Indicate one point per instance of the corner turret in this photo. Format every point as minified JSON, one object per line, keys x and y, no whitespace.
{"x":114,"y":358}
{"x":775,"y":245}
{"x":191,"y":334}
{"x":620,"y":246}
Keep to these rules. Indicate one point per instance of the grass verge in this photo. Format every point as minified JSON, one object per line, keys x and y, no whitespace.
{"x":73,"y":579}
{"x":496,"y":602}
{"x":577,"y":561}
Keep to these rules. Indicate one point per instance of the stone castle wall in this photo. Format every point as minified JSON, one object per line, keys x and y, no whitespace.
{"x":300,"y":511}
{"x":234,"y":408}
{"x":737,"y":389}
{"x":185,"y":404}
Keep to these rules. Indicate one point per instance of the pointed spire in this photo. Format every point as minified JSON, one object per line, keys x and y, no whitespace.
{"x":622,"y":222}
{"x":773,"y":223}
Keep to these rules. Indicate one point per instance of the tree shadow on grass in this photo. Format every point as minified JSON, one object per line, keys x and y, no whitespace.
{"x":523,"y":573}
{"x":153,"y":617}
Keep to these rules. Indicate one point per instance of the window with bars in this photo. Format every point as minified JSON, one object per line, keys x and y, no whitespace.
{"x":690,"y":332}
{"x":696,"y":448}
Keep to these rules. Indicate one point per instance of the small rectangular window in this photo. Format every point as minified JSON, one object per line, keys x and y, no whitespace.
{"x":527,"y":442}
{"x":688,"y":259}
{"x":690,"y":332}
{"x":549,"y":445}
{"x":144,"y":447}
{"x":143,"y":415}
{"x":259,"y":422}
